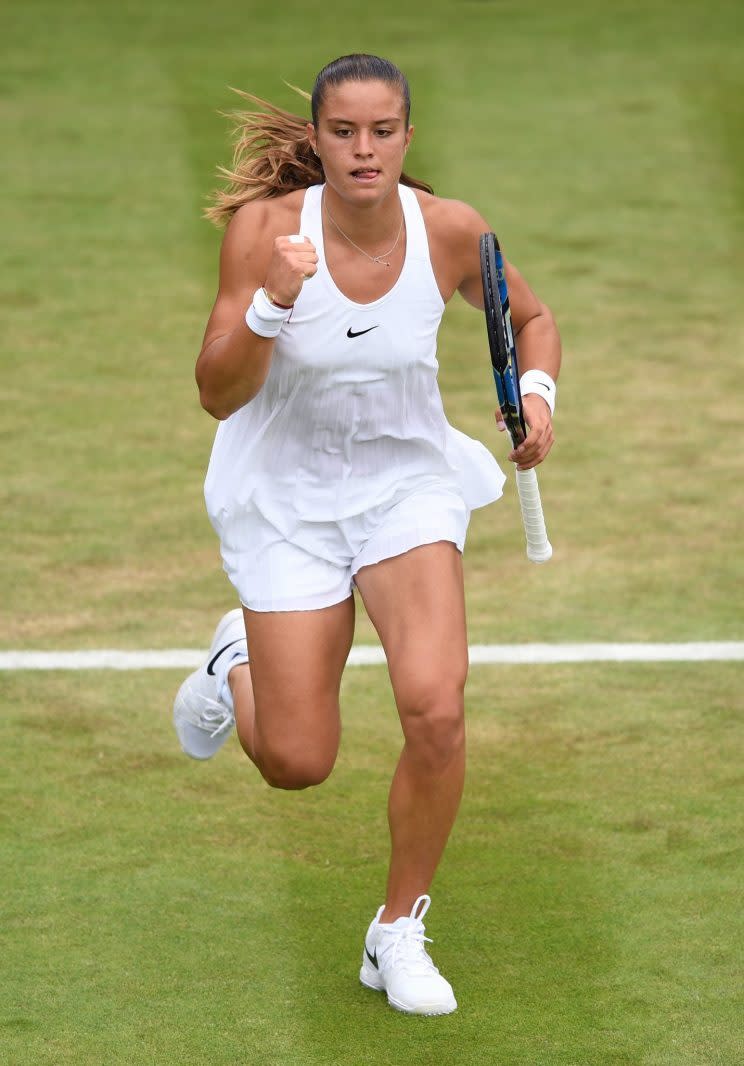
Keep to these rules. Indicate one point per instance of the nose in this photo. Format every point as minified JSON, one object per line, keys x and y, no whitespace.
{"x":363,"y":146}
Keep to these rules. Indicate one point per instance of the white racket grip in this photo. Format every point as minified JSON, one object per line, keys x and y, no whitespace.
{"x":539,"y":548}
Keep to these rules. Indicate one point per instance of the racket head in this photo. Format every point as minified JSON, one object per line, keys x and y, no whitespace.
{"x":500,"y":337}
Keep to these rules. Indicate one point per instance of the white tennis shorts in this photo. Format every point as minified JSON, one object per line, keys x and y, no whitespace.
{"x":316,"y":565}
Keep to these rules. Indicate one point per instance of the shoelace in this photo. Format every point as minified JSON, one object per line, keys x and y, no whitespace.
{"x":215,"y":714}
{"x":408,"y":950}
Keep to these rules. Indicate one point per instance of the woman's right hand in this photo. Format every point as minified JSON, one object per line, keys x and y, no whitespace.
{"x":293,"y":260}
{"x":233,"y":363}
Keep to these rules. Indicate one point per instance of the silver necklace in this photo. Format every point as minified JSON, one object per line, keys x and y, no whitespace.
{"x":382,"y":258}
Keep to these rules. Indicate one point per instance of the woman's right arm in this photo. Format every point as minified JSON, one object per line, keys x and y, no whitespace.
{"x":234,"y":361}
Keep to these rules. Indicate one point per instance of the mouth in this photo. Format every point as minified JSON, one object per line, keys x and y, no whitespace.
{"x":365,"y":175}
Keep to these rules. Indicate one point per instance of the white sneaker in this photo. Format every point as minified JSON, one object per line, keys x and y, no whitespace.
{"x":395,"y":961}
{"x":201,"y":716}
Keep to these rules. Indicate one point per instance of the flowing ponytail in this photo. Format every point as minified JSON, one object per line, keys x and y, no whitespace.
{"x":272,"y":157}
{"x":272,"y":154}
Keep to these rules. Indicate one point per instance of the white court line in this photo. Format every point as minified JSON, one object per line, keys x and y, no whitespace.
{"x":370,"y":654}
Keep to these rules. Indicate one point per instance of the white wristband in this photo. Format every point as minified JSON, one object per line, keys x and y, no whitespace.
{"x":264,"y":317}
{"x":541,"y":384}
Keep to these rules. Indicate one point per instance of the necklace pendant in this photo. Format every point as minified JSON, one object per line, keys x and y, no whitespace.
{"x":373,"y":258}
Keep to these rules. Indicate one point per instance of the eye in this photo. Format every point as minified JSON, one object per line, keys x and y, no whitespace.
{"x":341,"y":132}
{"x":384,"y":133}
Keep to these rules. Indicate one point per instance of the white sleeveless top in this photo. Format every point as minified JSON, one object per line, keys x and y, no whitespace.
{"x":350,"y":416}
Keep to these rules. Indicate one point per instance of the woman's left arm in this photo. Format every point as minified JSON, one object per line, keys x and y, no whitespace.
{"x":537,"y":338}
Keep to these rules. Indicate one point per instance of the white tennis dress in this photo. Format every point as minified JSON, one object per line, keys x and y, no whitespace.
{"x":345,"y":456}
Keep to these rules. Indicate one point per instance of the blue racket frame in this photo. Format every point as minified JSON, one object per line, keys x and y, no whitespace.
{"x":501,"y":337}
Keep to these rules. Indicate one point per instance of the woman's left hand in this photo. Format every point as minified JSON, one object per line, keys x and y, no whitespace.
{"x":540,"y":437}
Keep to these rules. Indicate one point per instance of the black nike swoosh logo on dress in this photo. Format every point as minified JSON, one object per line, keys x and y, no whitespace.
{"x":213,"y":660}
{"x":350,"y":332}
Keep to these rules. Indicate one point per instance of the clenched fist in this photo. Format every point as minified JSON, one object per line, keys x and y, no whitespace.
{"x":293,"y":260}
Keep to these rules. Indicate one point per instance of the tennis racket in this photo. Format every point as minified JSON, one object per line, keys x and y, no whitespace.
{"x":506,"y":376}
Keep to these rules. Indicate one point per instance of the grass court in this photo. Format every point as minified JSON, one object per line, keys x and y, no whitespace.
{"x":588,"y":909}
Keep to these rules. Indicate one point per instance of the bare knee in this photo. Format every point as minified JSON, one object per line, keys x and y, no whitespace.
{"x":294,"y":771}
{"x":295,"y":745}
{"x":434,"y":726}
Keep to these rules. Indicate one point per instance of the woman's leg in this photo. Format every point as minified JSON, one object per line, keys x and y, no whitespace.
{"x":287,"y":698}
{"x":416,"y":603}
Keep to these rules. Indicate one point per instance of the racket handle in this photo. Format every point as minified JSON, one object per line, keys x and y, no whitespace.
{"x":539,"y":548}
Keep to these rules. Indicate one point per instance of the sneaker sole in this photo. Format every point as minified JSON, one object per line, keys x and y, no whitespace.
{"x":372,"y":979}
{"x":428,"y":1012}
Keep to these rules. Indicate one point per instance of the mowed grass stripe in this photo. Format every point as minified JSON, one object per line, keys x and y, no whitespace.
{"x":590,"y":158}
{"x":587,"y":909}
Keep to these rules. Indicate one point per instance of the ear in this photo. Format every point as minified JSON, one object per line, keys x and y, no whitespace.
{"x":409,"y":136}
{"x":312,"y":137}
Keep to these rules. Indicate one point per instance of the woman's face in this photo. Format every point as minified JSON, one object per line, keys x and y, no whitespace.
{"x":361,"y":139}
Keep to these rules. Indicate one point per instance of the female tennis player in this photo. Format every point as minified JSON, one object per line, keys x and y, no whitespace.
{"x":334,"y":466}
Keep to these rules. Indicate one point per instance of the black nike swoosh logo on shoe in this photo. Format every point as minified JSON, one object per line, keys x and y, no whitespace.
{"x":213,"y":660}
{"x":372,"y":958}
{"x":350,"y":332}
